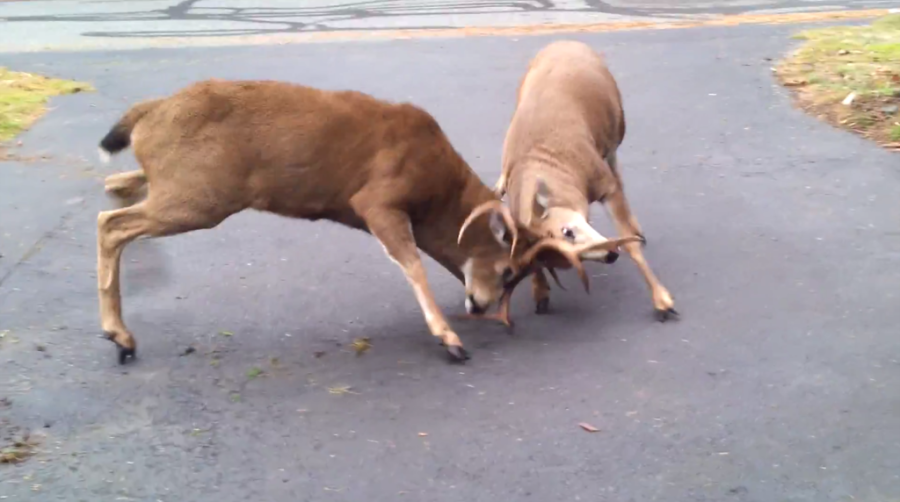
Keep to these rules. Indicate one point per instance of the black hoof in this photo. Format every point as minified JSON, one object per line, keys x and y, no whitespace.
{"x":457,"y":353}
{"x":665,"y":315}
{"x":124,"y":354}
{"x":643,"y":240}
{"x":543,"y":306}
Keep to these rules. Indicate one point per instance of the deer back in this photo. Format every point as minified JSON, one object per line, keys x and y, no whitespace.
{"x":568,"y":118}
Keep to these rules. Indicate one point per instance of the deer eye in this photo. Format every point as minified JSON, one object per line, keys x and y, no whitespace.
{"x":568,"y":233}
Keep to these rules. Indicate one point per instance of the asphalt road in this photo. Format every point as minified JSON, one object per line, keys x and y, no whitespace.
{"x":776,"y":233}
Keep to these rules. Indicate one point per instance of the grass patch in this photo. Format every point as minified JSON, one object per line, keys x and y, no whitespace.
{"x":24,"y":96}
{"x":837,"y":62}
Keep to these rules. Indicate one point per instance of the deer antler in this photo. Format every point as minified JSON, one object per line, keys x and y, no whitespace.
{"x":555,"y":277}
{"x":527,"y":263}
{"x":572,"y":253}
{"x":568,"y":251}
{"x":608,"y":245}
{"x":492,"y":205}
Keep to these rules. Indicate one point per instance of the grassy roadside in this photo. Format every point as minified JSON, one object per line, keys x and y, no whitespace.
{"x":850,"y":77}
{"x":24,"y":96}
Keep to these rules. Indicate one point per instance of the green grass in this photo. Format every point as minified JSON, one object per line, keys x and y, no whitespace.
{"x":837,"y":61}
{"x":24,"y":97}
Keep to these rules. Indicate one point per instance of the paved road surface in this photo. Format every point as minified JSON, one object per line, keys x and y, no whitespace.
{"x":82,"y":24}
{"x":777,"y":234}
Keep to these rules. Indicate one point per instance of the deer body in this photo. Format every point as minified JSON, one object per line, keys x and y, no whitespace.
{"x":559,"y":157}
{"x":216,"y":148}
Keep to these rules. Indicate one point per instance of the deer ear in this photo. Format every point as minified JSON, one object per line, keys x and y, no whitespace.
{"x":541,"y":200}
{"x":498,"y":228}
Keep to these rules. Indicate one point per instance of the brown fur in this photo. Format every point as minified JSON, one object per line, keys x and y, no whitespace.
{"x":216,"y":148}
{"x":559,"y":156}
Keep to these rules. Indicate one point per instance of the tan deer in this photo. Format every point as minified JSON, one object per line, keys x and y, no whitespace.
{"x":216,"y":148}
{"x":559,"y":156}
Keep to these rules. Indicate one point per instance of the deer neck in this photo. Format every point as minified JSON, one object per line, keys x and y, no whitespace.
{"x":438,"y":233}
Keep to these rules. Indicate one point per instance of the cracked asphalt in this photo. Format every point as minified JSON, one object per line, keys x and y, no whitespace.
{"x":776,"y":233}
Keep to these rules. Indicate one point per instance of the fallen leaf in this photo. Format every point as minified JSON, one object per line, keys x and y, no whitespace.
{"x":423,"y":434}
{"x":588,"y":427}
{"x":226,"y":333}
{"x":361,"y":345}
{"x":796,"y":83}
{"x":340,"y":390}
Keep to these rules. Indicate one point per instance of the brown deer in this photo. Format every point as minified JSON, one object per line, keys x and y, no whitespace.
{"x":216,"y":148}
{"x":559,"y":156}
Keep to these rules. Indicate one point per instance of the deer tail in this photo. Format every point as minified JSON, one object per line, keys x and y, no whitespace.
{"x":119,"y":136}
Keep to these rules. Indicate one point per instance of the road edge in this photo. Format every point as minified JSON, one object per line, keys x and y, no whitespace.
{"x":431,"y":33}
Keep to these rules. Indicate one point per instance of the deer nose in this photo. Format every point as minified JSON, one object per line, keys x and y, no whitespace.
{"x":611,"y":257}
{"x":472,"y":306}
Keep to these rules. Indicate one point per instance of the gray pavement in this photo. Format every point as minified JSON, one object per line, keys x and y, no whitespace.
{"x":776,"y":233}
{"x":123,"y":24}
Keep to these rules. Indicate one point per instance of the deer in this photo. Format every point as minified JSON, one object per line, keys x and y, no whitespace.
{"x":560,"y":156}
{"x":219,"y":147}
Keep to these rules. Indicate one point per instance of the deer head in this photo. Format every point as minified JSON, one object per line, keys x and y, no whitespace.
{"x":489,"y":248}
{"x":528,"y":251}
{"x":564,"y":223}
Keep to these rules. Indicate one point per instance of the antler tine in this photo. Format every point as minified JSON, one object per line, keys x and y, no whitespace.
{"x":568,"y":251}
{"x":478,"y":211}
{"x":608,"y":245}
{"x":492,"y":205}
{"x":555,"y":278}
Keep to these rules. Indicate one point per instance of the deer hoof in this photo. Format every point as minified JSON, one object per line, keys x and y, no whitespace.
{"x":125,"y":353}
{"x":665,"y":315}
{"x":543,"y":306}
{"x":643,"y":239}
{"x":457,"y":353}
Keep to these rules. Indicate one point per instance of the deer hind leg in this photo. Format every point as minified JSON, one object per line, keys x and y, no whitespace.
{"x":152,"y":217}
{"x":126,"y":187}
{"x":626,"y":224}
{"x":392,"y":228}
{"x":540,"y":291}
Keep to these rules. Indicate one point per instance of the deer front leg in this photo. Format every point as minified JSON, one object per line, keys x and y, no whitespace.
{"x":540,"y":291}
{"x":627,"y":225}
{"x":392,"y":228}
